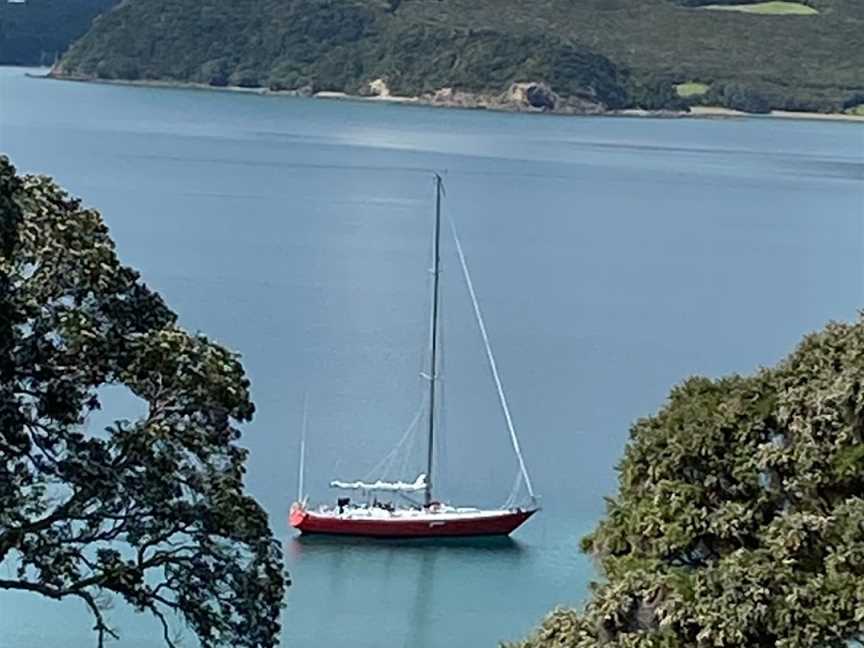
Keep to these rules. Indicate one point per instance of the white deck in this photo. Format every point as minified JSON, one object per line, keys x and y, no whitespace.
{"x":440,"y":513}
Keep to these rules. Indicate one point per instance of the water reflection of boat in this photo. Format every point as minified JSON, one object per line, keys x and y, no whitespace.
{"x":376,"y":515}
{"x":313,"y":543}
{"x":409,"y":586}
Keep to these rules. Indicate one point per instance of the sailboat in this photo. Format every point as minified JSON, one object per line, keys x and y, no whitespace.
{"x":410,"y":517}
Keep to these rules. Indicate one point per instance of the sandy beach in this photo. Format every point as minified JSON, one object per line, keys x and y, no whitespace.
{"x":696,"y":112}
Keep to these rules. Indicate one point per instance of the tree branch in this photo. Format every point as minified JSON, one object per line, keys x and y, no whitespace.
{"x":101,"y":628}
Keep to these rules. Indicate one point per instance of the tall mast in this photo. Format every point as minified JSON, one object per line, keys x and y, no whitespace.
{"x":433,"y":371}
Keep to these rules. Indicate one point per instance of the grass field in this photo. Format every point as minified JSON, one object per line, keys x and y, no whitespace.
{"x":691,"y":89}
{"x":858,"y":111}
{"x":776,"y":8}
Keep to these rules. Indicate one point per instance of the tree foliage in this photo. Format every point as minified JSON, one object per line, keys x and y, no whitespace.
{"x":151,"y":511}
{"x":738,"y":97}
{"x":38,"y":31}
{"x":739,"y":519}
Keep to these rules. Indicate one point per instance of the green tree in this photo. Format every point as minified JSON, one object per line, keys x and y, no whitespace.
{"x":35,"y":32}
{"x":738,"y":96}
{"x":656,"y":94}
{"x":151,"y":511}
{"x":739,"y":519}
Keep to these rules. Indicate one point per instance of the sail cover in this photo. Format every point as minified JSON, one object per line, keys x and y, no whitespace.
{"x":383,"y":486}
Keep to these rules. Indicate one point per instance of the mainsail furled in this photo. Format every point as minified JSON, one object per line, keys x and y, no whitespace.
{"x":418,"y":486}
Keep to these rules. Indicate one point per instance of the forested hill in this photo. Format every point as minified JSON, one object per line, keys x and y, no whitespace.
{"x":606,"y":53}
{"x":36,"y":32}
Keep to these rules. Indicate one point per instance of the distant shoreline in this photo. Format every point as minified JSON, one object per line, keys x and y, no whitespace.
{"x":696,"y":112}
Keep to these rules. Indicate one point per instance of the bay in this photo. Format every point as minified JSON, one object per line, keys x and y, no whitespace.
{"x":612,"y":257}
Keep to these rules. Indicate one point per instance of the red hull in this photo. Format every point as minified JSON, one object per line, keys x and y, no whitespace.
{"x":504,"y":524}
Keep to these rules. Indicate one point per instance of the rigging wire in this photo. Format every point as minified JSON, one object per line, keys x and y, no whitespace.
{"x":384,"y":466}
{"x":514,"y":492}
{"x":514,"y":439}
{"x":398,"y":460}
{"x":400,"y":451}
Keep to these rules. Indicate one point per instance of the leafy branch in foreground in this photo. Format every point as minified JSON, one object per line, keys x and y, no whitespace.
{"x":739,"y":519}
{"x":153,"y":510}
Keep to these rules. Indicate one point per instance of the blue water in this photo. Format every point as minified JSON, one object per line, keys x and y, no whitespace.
{"x":612,"y":257}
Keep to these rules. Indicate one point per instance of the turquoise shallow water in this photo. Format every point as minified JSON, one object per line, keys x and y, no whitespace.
{"x":613,"y":257}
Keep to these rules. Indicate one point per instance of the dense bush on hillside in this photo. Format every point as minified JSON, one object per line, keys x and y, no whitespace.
{"x":739,"y":518}
{"x":336,"y":46}
{"x":738,"y":97}
{"x":614,"y":52}
{"x":37,"y":31}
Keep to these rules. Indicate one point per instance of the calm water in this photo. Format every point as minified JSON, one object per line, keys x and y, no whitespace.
{"x":612,"y":257}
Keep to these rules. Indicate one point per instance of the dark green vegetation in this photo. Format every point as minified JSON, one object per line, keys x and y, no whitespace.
{"x":151,"y":511}
{"x":36,"y":32}
{"x":739,"y":519}
{"x":614,"y":52}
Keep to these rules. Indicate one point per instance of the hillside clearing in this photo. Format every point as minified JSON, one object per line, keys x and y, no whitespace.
{"x":774,"y":8}
{"x":691,"y":89}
